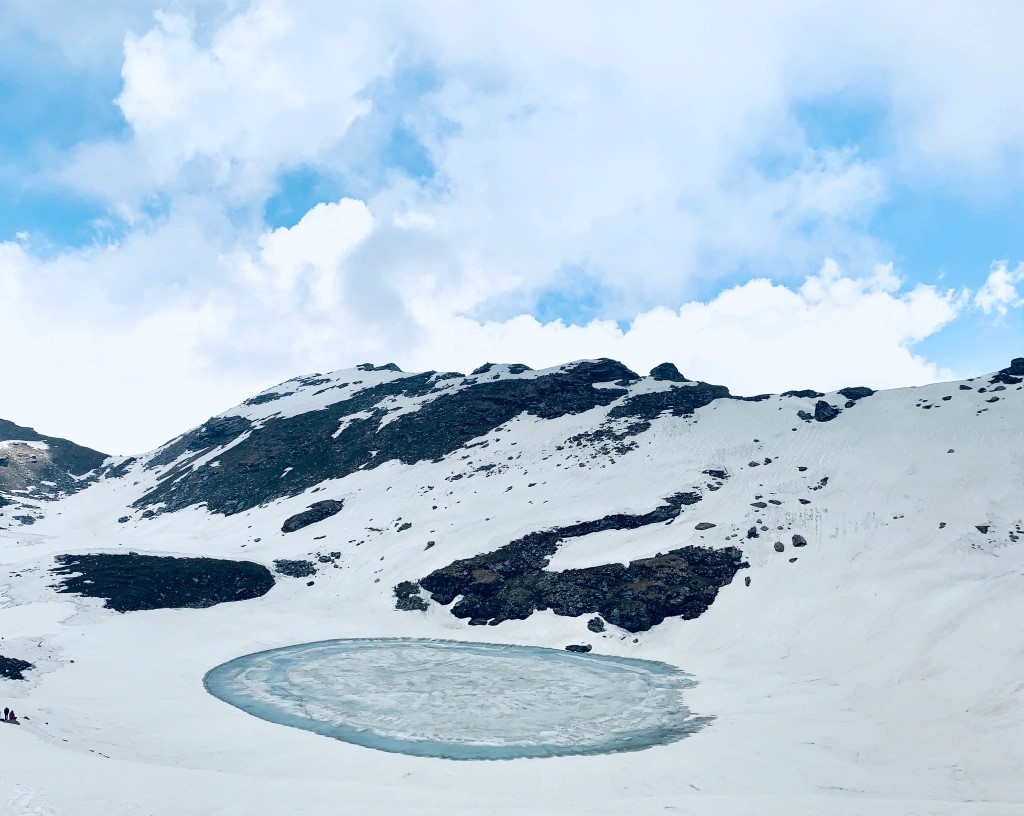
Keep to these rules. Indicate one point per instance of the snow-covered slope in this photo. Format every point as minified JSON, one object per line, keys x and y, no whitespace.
{"x":843,"y":579}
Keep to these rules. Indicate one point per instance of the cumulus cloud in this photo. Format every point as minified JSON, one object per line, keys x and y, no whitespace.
{"x":266,"y":90}
{"x":132,"y":378}
{"x":656,"y":156}
{"x":999,"y":293}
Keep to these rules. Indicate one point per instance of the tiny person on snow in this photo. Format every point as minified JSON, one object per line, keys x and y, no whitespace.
{"x":6,"y":712}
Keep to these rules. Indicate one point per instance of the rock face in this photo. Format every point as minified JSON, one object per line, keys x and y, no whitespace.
{"x":46,"y":466}
{"x":13,"y":669}
{"x":315,"y":512}
{"x":1013,"y":374}
{"x":823,"y":412}
{"x":408,"y":597}
{"x":131,"y":582}
{"x":667,"y":371}
{"x":309,"y":444}
{"x":855,"y":393}
{"x":681,"y":583}
{"x":294,"y":568}
{"x":512,"y":583}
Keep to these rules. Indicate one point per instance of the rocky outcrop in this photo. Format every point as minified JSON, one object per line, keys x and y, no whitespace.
{"x":294,"y":568}
{"x":311,"y":447}
{"x":667,"y":372}
{"x":1013,"y":374}
{"x":318,"y":511}
{"x":408,"y":598}
{"x":133,"y":582}
{"x":678,"y":401}
{"x":13,"y":669}
{"x":856,"y":392}
{"x":46,"y":466}
{"x":511,"y":583}
{"x":823,"y":412}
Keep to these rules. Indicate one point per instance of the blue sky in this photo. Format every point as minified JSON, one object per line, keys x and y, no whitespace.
{"x":204,"y":198}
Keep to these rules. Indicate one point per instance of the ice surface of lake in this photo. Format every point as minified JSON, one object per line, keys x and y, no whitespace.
{"x":461,"y":700}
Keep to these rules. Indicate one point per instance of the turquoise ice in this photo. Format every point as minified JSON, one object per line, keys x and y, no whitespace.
{"x":461,"y":700}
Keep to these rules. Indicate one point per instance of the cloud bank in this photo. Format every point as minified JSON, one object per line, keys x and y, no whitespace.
{"x":507,"y":182}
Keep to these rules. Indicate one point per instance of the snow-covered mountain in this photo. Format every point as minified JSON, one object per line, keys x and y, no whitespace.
{"x":841,"y":574}
{"x":36,"y":468}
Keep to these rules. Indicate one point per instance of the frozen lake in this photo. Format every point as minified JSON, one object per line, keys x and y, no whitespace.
{"x":461,"y":700}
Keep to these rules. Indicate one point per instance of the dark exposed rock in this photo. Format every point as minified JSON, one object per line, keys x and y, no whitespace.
{"x":260,"y":399}
{"x":482,"y":369}
{"x":752,"y":533}
{"x":211,"y":434}
{"x":13,"y":669}
{"x":855,"y":393}
{"x":823,"y":412}
{"x":404,"y":526}
{"x":518,"y":368}
{"x":746,"y":580}
{"x":1013,"y":374}
{"x":679,"y":401}
{"x":581,"y":648}
{"x":982,"y":528}
{"x":408,"y":597}
{"x":716,"y":473}
{"x":511,"y":583}
{"x":965,"y":387}
{"x":132,"y":582}
{"x":805,"y":394}
{"x":124,"y":519}
{"x":120,"y":469}
{"x":595,"y":624}
{"x":312,"y":380}
{"x":779,"y":546}
{"x":249,"y":472}
{"x":608,"y":440}
{"x":318,"y":511}
{"x":385,"y":367}
{"x":295,"y":568}
{"x":942,"y":525}
{"x":667,"y":372}
{"x":24,"y":519}
{"x":806,"y":417}
{"x":704,"y":525}
{"x":759,"y":505}
{"x":799,"y":540}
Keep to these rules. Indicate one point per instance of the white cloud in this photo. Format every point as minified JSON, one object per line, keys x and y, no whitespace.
{"x":125,"y":379}
{"x":269,"y":90}
{"x":999,"y":292}
{"x":653,"y":152}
